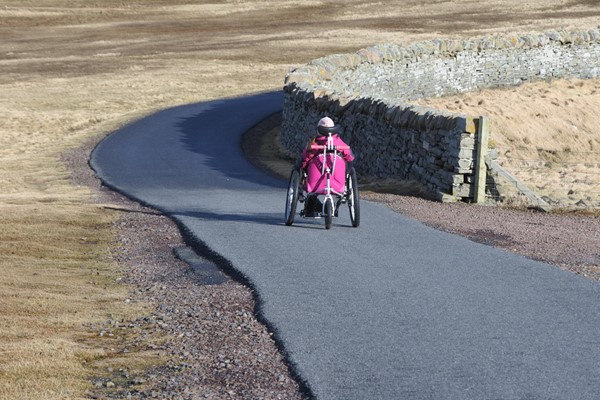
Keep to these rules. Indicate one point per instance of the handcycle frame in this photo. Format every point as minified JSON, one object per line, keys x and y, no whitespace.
{"x":332,"y":199}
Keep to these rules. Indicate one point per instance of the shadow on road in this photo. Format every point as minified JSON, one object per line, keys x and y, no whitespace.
{"x":257,"y":218}
{"x":217,"y":133}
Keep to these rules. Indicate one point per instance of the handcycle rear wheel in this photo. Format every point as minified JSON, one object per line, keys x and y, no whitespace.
{"x":291,"y":200}
{"x":353,"y":199}
{"x":328,"y":206}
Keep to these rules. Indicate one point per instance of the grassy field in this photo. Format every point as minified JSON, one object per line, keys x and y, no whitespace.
{"x":545,"y":135}
{"x":75,"y":70}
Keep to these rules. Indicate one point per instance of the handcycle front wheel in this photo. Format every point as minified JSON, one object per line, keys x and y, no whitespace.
{"x":291,"y":200}
{"x":353,"y":199}
{"x":328,"y":209}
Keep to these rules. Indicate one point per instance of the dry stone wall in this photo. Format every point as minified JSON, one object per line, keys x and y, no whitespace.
{"x":369,"y":92}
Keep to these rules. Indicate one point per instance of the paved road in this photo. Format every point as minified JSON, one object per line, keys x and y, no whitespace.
{"x":391,"y":310}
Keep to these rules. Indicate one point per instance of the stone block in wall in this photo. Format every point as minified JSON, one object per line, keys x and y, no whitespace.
{"x":377,"y":107}
{"x":390,"y":113}
{"x":344,"y":60}
{"x":594,"y":35}
{"x":467,"y":142}
{"x":443,"y":183}
{"x":437,"y":151}
{"x":323,"y":68}
{"x":471,"y":124}
{"x":342,"y":104}
{"x":425,"y":48}
{"x":372,"y":55}
{"x":391,"y":52}
{"x":445,"y":197}
{"x":304,"y":74}
{"x":460,"y":123}
{"x":431,"y":160}
{"x":364,"y":105}
{"x":463,"y":190}
{"x":433,"y":184}
{"x":465,"y":153}
{"x":461,"y":164}
{"x":322,"y":103}
{"x":450,"y":178}
{"x":450,"y":47}
{"x":493,"y":154}
{"x":416,"y":172}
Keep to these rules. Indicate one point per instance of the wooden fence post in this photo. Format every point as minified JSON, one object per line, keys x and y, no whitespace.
{"x":481,"y":144}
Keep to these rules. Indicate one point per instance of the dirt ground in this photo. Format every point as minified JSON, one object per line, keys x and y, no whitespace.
{"x":73,"y":71}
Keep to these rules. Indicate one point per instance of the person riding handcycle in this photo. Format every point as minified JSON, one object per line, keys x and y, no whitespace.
{"x":313,"y":167}
{"x":324,"y":179}
{"x":327,"y":131}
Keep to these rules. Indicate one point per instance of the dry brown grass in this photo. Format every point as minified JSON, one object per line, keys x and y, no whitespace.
{"x":56,"y":280}
{"x":546,"y":134}
{"x":73,"y":70}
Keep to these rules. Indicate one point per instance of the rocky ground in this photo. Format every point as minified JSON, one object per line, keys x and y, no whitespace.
{"x":215,"y":345}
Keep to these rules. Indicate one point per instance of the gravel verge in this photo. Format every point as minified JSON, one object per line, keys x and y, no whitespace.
{"x":568,"y":241}
{"x":216,"y":347}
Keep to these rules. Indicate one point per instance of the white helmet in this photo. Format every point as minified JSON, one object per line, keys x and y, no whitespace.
{"x":327,"y":126}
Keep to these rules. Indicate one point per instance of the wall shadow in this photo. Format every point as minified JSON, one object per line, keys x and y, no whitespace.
{"x":217,"y":134}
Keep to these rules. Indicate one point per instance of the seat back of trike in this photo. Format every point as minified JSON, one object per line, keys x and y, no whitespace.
{"x":316,"y":180}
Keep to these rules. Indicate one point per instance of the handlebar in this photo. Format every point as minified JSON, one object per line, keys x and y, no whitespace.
{"x":322,"y":147}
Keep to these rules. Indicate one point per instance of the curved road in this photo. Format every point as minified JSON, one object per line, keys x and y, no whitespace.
{"x":391,"y":310}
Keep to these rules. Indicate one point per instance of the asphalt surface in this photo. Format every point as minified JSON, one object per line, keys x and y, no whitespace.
{"x":390,"y":310}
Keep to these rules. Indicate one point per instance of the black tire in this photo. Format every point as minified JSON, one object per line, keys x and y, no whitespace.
{"x":328,"y":213}
{"x":353,"y":199}
{"x":291,"y":200}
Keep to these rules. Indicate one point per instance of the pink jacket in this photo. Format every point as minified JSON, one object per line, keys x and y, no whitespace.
{"x":309,"y":153}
